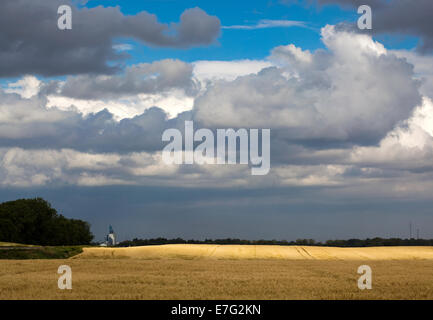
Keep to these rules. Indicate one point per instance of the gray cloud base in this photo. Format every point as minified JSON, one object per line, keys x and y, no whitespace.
{"x":352,"y":94}
{"x":31,"y":43}
{"x":154,"y":78}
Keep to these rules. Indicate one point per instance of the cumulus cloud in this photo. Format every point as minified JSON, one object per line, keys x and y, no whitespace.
{"x":26,"y":87}
{"x":290,"y":54}
{"x":112,"y":113}
{"x":29,"y":123}
{"x":171,"y":85}
{"x":36,"y":46}
{"x":145,"y":78}
{"x":344,"y":117}
{"x":210,"y":71}
{"x":23,"y":168}
{"x":407,"y":147}
{"x":173,"y":102}
{"x":423,"y":68}
{"x":344,"y":94}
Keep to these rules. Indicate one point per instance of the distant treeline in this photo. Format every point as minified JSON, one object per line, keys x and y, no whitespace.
{"x":34,"y":221}
{"x":375,"y":242}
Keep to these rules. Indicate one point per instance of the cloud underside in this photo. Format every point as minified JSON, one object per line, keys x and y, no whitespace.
{"x":351,"y":117}
{"x":30,"y":45}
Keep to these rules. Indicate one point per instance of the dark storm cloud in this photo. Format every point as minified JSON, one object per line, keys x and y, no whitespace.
{"x":399,"y":16}
{"x":150,"y":212}
{"x":31,"y":43}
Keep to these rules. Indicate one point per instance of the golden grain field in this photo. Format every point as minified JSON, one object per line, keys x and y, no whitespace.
{"x":242,"y":252}
{"x":224,"y":272}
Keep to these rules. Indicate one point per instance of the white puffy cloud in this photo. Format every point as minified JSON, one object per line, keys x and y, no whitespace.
{"x":206,"y":71}
{"x":172,"y":102}
{"x":354,"y":92}
{"x":171,"y":85}
{"x":26,"y":87}
{"x":24,"y":168}
{"x":407,"y":147}
{"x":290,"y":54}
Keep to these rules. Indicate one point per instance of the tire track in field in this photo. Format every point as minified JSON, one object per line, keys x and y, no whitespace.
{"x":213,"y":251}
{"x":326,"y":255}
{"x":308,"y":253}
{"x":304,"y":254}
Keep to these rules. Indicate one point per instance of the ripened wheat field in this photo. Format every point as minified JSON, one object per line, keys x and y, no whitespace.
{"x":242,"y":252}
{"x":225,"y":272}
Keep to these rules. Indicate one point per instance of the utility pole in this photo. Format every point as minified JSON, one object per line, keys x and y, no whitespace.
{"x":417,"y":234}
{"x":410,"y":230}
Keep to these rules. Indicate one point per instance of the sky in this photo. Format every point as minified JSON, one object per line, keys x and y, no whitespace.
{"x":350,"y":111}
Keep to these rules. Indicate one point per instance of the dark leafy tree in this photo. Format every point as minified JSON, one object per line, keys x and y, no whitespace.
{"x":34,"y":221}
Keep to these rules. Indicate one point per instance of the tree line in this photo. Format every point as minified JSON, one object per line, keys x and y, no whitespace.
{"x":34,"y":221}
{"x":373,"y":242}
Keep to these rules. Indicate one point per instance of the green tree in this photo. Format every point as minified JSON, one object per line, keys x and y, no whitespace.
{"x":34,"y":221}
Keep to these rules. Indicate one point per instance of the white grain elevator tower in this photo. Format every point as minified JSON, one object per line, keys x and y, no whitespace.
{"x":111,"y":237}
